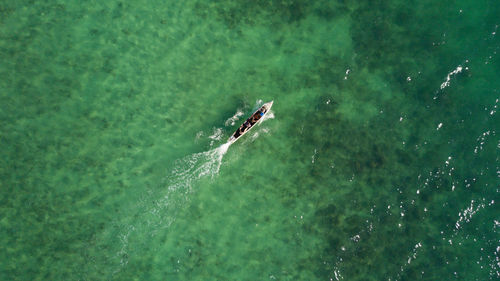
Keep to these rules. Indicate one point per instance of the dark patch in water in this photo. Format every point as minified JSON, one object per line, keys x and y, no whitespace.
{"x":274,"y":13}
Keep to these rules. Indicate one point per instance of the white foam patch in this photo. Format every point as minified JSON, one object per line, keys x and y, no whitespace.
{"x":269,"y":115}
{"x":216,"y":136}
{"x":466,"y":215}
{"x":232,"y":120}
{"x":199,"y":135}
{"x":450,"y":75}
{"x":411,"y":257}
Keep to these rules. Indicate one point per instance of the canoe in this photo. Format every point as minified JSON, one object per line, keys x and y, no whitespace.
{"x":256,"y":117}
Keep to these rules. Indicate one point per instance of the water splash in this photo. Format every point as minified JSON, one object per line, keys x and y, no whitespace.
{"x":232,"y":120}
{"x":269,"y":115}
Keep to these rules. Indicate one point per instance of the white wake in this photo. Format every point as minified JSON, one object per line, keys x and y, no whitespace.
{"x":162,"y":205}
{"x":180,"y":182}
{"x":193,"y":167}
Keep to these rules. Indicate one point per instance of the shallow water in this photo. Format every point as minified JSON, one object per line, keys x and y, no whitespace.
{"x":379,"y":160}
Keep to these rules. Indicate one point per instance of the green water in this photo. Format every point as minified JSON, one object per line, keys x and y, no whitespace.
{"x":379,"y":160}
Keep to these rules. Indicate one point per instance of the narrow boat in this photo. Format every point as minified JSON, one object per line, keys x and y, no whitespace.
{"x":256,"y":117}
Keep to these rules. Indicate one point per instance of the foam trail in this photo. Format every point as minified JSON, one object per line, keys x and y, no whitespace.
{"x":196,"y":166}
{"x":158,"y":208}
{"x":180,"y":182}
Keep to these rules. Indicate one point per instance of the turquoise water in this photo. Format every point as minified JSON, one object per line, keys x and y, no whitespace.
{"x":379,"y":160}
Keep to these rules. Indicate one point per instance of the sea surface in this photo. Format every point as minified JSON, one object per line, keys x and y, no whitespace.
{"x":378,"y":161}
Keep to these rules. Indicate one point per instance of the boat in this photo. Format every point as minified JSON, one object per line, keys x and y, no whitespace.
{"x":256,"y":117}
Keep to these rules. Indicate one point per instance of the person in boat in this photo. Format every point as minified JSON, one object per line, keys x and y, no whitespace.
{"x":258,"y":115}
{"x":244,"y":127}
